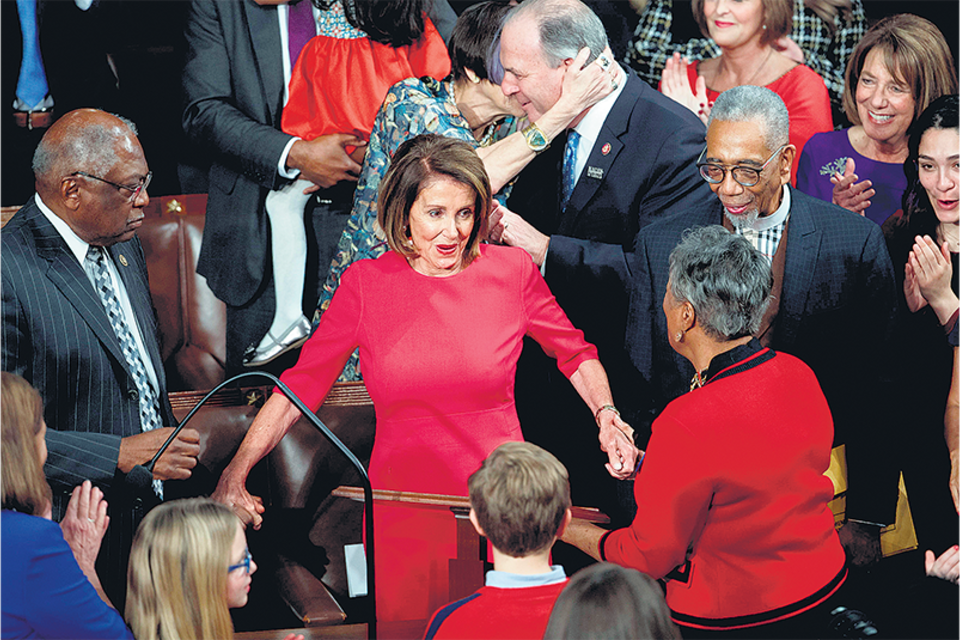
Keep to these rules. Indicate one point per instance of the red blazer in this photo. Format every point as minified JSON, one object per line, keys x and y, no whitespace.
{"x":731,"y":496}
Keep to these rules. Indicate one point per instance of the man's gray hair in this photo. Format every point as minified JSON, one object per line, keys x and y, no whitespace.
{"x":725,"y":280}
{"x":748,"y":103}
{"x":90,"y":147}
{"x":566,"y":26}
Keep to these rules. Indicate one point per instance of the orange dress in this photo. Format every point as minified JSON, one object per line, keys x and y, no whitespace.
{"x":342,"y":76}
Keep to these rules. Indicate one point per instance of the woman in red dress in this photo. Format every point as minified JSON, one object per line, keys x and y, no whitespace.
{"x":439,"y":321}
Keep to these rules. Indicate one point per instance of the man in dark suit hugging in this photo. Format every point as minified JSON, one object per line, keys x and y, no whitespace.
{"x":78,"y":324}
{"x":577,"y":209}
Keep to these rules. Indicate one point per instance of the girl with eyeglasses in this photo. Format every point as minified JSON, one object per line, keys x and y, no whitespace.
{"x":189,"y":566}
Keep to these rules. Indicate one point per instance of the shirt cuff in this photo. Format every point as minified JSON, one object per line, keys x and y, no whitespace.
{"x":289,"y":174}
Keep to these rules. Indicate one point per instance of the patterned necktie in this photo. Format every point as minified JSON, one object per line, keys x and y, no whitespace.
{"x":301,"y":26}
{"x":96,"y":266}
{"x":569,"y":167}
{"x":32,"y":84}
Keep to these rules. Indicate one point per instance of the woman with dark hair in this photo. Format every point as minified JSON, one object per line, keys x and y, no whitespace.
{"x":50,"y":585}
{"x":924,"y":243}
{"x":902,"y":64}
{"x":608,"y":602}
{"x":746,"y":32}
{"x":732,"y":500}
{"x":439,"y":321}
{"x":468,"y":105}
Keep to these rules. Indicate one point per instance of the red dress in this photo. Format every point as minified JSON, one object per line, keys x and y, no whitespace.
{"x":341,"y":77}
{"x":807,"y":100}
{"x":439,"y":358}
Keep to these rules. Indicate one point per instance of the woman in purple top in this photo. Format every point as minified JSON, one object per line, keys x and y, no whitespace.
{"x":901,"y":65}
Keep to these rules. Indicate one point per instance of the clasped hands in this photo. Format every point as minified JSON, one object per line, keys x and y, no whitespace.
{"x":927,"y":277}
{"x":616,"y":440}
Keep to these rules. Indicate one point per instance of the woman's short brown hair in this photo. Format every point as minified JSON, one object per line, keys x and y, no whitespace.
{"x":914,"y":51}
{"x":777,"y":19}
{"x":417,"y":162}
{"x":25,"y":488}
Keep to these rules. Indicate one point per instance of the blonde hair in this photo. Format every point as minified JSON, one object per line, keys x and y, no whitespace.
{"x":25,"y":488}
{"x":177,"y":578}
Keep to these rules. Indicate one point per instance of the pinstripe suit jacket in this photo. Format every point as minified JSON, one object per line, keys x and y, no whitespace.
{"x":57,"y":336}
{"x":838,"y":313}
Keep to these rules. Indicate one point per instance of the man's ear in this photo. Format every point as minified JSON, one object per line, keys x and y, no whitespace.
{"x":786,"y":163}
{"x":476,"y":523}
{"x":567,"y":517}
{"x":69,"y":192}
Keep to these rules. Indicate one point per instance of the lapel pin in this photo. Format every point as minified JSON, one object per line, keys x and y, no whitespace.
{"x":595,"y":172}
{"x":605,"y":149}
{"x":123,"y":260}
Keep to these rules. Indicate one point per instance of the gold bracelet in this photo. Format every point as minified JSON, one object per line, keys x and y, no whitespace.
{"x":606,"y":407}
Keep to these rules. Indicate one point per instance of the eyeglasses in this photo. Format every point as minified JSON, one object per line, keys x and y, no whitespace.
{"x":245,"y":563}
{"x":744,"y":175}
{"x":135,"y":189}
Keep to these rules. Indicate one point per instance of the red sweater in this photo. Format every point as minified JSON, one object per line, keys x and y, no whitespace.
{"x":492,"y":613}
{"x":734,"y":473}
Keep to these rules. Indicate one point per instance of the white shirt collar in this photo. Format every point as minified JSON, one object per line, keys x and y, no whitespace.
{"x":591,"y":123}
{"x":78,"y":247}
{"x":777,"y":217}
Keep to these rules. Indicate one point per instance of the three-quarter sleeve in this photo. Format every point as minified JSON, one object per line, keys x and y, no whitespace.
{"x":334,"y":339}
{"x":549,"y":325}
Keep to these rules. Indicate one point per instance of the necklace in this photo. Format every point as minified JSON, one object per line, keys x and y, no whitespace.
{"x":697,"y":381}
{"x":749,"y":80}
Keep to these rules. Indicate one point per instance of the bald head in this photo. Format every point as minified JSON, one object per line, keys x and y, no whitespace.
{"x":82,"y":140}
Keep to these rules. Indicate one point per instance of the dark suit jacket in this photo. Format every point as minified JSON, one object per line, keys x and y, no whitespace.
{"x":57,"y":336}
{"x":838,"y":313}
{"x":647,"y":152}
{"x":233,"y":86}
{"x":641,"y":167}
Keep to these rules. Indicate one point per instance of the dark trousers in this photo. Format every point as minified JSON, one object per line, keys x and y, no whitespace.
{"x":327,"y":214}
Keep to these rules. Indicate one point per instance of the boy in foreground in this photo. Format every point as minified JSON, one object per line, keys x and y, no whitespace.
{"x":520,"y":500}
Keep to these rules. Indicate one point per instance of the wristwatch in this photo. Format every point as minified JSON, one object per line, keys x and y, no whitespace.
{"x":535,"y":138}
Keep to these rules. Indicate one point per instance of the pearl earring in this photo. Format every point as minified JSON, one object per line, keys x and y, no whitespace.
{"x":679,"y":336}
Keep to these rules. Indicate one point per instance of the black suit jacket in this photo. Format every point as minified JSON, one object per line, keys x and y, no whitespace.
{"x":642,"y":167}
{"x":57,"y":336}
{"x":838,"y":313}
{"x":233,"y":85}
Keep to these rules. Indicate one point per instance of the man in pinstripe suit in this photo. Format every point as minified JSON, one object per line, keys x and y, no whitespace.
{"x":91,"y":183}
